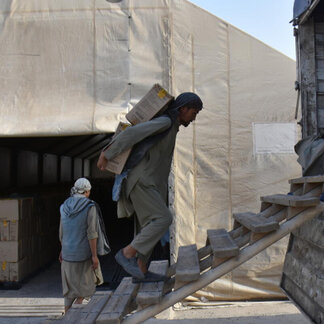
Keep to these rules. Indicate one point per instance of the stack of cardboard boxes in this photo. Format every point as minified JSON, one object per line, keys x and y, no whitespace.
{"x":15,"y":236}
{"x":28,"y":234}
{"x":152,"y":104}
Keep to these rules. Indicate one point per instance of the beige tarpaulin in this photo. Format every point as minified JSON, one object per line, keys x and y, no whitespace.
{"x":77,"y":66}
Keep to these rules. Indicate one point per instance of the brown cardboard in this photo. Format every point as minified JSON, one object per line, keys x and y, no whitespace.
{"x":15,"y":209}
{"x":154,"y":102}
{"x":17,"y":230}
{"x":4,"y":230}
{"x":9,"y":209}
{"x":117,"y":164}
{"x":11,"y":251}
{"x":4,"y":271}
{"x":19,"y":270}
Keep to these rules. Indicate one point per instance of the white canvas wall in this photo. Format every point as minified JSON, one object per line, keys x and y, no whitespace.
{"x":76,"y":67}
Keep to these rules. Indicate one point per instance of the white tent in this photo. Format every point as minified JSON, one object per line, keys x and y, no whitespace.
{"x":78,"y":66}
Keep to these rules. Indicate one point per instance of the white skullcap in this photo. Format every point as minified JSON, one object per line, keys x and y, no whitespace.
{"x":81,"y":186}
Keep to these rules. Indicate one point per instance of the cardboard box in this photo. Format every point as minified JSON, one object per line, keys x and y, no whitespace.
{"x":4,"y":271}
{"x":18,"y":230}
{"x":4,"y":230}
{"x":153,"y":103}
{"x":117,"y":164}
{"x":15,"y":209}
{"x":11,"y":251}
{"x":19,"y":270}
{"x":13,"y":230}
{"x":14,"y":271}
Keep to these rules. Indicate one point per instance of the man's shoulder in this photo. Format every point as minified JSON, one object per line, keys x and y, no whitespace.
{"x":163,"y":120}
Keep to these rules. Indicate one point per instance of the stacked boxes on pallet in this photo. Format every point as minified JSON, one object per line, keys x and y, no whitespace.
{"x":15,"y":236}
{"x":28,"y":234}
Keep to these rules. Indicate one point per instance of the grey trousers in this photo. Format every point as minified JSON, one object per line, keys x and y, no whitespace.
{"x":153,"y":219}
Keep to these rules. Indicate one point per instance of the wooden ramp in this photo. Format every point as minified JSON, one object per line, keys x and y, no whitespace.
{"x":196,"y":268}
{"x":302,"y":278}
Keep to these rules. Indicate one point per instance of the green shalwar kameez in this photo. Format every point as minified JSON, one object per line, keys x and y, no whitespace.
{"x":145,"y":189}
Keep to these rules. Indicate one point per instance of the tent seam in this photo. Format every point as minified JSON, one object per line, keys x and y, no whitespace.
{"x":94,"y":67}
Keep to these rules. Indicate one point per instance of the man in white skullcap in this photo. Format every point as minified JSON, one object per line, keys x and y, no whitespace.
{"x":79,"y":228}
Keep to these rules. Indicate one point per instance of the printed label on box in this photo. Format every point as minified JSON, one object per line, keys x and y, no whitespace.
{"x":153,"y":103}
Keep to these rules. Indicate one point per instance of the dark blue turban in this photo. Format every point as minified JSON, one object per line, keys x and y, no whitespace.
{"x":186,"y":99}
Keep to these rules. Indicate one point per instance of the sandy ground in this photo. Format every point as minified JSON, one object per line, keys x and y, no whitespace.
{"x":283,"y":312}
{"x":40,"y":301}
{"x":243,"y":313}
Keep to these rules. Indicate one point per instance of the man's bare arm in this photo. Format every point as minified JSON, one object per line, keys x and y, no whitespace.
{"x":102,"y":162}
{"x":93,"y":247}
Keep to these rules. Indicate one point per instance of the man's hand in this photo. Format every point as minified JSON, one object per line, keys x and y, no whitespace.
{"x":60,"y":257}
{"x":95,"y":262}
{"x":102,"y":162}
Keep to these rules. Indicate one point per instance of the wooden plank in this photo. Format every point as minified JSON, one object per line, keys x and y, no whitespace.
{"x":307,"y":75}
{"x":72,"y":315}
{"x":314,"y":188}
{"x":222,"y":244}
{"x":309,"y":179}
{"x":256,"y":223}
{"x":150,"y":293}
{"x":271,"y":210}
{"x":236,"y":225}
{"x":241,"y":237}
{"x":91,"y":311}
{"x":320,"y":73}
{"x":319,"y":27}
{"x":301,"y":300}
{"x":264,"y":206}
{"x":256,"y":237}
{"x":305,"y":278}
{"x":309,"y":253}
{"x":119,"y":303}
{"x":281,"y":215}
{"x":296,"y":188}
{"x":319,"y":48}
{"x":187,"y":268}
{"x":315,"y":192}
{"x":210,"y":276}
{"x":320,"y":83}
{"x":312,"y":232}
{"x":293,"y":211}
{"x":290,"y":200}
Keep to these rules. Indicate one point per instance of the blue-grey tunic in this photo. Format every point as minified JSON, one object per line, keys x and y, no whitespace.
{"x":145,"y":189}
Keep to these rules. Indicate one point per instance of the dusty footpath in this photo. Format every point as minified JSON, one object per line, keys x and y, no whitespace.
{"x":40,"y":301}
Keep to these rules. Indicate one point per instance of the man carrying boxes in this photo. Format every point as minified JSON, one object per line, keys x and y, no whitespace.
{"x":141,"y":188}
